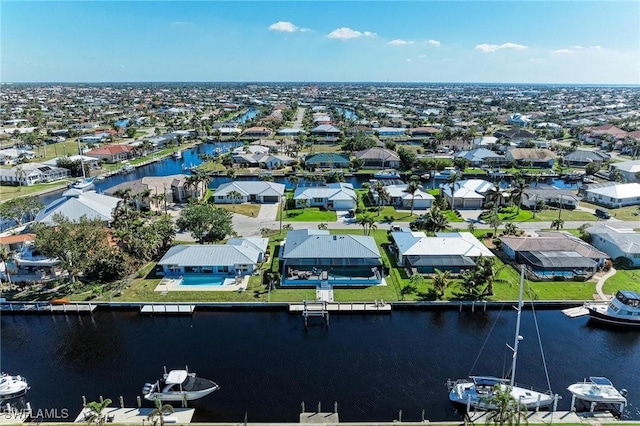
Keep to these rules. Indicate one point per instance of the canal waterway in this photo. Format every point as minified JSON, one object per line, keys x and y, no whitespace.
{"x":267,"y":363}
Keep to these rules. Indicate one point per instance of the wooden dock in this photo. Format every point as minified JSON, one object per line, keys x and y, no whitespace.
{"x":319,"y":418}
{"x":167,"y":309}
{"x":46,"y":308}
{"x":345,"y":307}
{"x":549,"y":417}
{"x":579,"y":311}
{"x":139,"y":415}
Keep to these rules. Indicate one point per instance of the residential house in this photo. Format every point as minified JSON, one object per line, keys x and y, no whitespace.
{"x":485,"y":141}
{"x":145,"y":191}
{"x":618,"y":195}
{"x":518,"y":120}
{"x":13,"y":155}
{"x":256,"y":132}
{"x":313,"y":257}
{"x":515,"y":137}
{"x":552,"y":255}
{"x":467,"y":194}
{"x":401,"y":199}
{"x":390,"y":131}
{"x":446,"y":251}
{"x":628,"y":169}
{"x":111,"y":153}
{"x":27,"y":174}
{"x":74,"y":204}
{"x":423,"y":132}
{"x":617,"y":243}
{"x":531,"y":157}
{"x":533,"y":197}
{"x":378,"y":158}
{"x":249,"y":191}
{"x":606,"y":136}
{"x":251,"y":149}
{"x":327,"y":160}
{"x":287,"y":131}
{"x":238,"y":257}
{"x":482,"y":157}
{"x":581,"y":158}
{"x":326,"y":132}
{"x":333,"y":196}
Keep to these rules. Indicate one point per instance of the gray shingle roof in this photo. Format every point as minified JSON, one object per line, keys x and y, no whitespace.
{"x":251,"y":187}
{"x":239,"y":253}
{"x":74,"y":204}
{"x":305,"y":243}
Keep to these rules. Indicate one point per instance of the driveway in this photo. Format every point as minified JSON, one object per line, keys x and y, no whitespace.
{"x":470,"y":215}
{"x":268,"y":211}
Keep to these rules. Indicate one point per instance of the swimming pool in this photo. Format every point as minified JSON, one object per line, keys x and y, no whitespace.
{"x":203,"y":280}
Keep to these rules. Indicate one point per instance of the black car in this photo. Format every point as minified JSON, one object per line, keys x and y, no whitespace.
{"x":603,"y":214}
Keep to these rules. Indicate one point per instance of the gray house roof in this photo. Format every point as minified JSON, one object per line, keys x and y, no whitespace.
{"x":552,"y":242}
{"x":251,"y":187}
{"x":479,"y":154}
{"x":309,"y":243}
{"x":240,"y":252}
{"x":326,"y":128}
{"x":586,"y":156}
{"x":74,"y":204}
{"x":332,"y":192}
{"x":377,"y":154}
{"x":626,"y":240}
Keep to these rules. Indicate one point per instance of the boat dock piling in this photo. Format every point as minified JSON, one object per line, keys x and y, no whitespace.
{"x":319,"y":417}
{"x":315,"y":309}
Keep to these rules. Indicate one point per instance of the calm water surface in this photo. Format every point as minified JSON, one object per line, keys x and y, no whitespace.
{"x":267,"y":363}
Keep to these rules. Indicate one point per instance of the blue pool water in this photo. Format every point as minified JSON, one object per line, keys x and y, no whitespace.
{"x":203,"y":280}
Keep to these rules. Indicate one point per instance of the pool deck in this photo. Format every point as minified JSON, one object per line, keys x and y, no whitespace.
{"x":175,"y":284}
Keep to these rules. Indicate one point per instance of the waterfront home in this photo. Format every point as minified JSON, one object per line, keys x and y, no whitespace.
{"x":515,"y":136}
{"x":602,"y":135}
{"x":550,"y":196}
{"x":617,"y":195}
{"x":628,"y":169}
{"x":145,"y":191}
{"x":90,"y":162}
{"x":485,"y":141}
{"x":327,"y":160}
{"x":326,"y":133}
{"x":13,"y":155}
{"x":482,"y":157}
{"x":312,"y":257}
{"x":239,"y":256}
{"x":248,"y":191}
{"x":531,"y":157}
{"x":446,"y":251}
{"x":27,"y":174}
{"x":291,"y":132}
{"x":391,"y":131}
{"x":552,"y":255}
{"x":111,"y":153}
{"x":256,"y":132}
{"x":467,"y":194}
{"x":74,"y":204}
{"x":332,"y":196}
{"x":617,"y":243}
{"x":580,"y":158}
{"x":378,"y":158}
{"x":400,"y":199}
{"x":251,"y":149}
{"x":274,"y":145}
{"x":423,"y":132}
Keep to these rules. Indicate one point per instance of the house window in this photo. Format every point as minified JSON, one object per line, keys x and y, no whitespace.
{"x":318,"y":200}
{"x":223,"y":269}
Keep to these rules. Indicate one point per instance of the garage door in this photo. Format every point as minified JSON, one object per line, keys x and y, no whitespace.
{"x":270,"y":199}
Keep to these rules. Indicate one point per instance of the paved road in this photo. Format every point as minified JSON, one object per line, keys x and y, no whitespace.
{"x":299,"y":118}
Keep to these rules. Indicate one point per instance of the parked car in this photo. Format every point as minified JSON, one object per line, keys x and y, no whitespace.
{"x":603,"y":214}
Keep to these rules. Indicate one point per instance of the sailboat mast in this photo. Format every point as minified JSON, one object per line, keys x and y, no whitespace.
{"x":517,"y":339}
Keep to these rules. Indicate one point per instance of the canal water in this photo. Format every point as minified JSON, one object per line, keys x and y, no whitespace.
{"x":267,"y":363}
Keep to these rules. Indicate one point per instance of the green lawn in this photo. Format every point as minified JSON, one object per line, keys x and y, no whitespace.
{"x":9,"y":192}
{"x":623,"y":213}
{"x":623,"y":280}
{"x":452,"y":216}
{"x":246,"y":209}
{"x":389,"y":214}
{"x":310,"y":214}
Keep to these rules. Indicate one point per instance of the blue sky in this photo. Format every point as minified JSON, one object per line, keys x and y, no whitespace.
{"x":398,"y":41}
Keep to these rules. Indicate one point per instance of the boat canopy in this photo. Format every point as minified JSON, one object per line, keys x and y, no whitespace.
{"x":628,"y":297}
{"x":601,"y":381}
{"x":487,"y":380}
{"x":176,"y":377}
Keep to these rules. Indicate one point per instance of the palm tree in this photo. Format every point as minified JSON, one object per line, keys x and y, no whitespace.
{"x":557,"y":224}
{"x":295,"y":181}
{"x":494,"y":221}
{"x":508,"y":411}
{"x":517,"y":193}
{"x":453,"y":182}
{"x":302,"y":203}
{"x":435,"y":220}
{"x":383,"y":194}
{"x":235,"y":196}
{"x":20,"y":174}
{"x":4,"y":256}
{"x":440,"y":282}
{"x":412,"y":188}
{"x":323,"y":226}
{"x":368,"y":223}
{"x":95,"y":410}
{"x":159,"y":412}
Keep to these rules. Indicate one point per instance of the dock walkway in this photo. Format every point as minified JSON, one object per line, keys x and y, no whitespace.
{"x":342,"y":307}
{"x":139,"y":415}
{"x":167,"y":309}
{"x":47,"y":308}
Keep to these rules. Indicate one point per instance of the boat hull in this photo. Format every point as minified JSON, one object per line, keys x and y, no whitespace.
{"x":179,"y":396}
{"x":13,"y":387}
{"x":605,"y":318}
{"x":465,"y":394}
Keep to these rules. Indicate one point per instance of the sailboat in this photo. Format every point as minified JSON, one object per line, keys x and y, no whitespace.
{"x":478,"y":392}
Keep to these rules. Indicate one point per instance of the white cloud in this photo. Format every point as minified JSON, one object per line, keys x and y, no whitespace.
{"x":578,"y":47}
{"x":399,"y":42}
{"x":562,"y":51}
{"x":286,"y":27}
{"x":535,"y":59}
{"x":596,"y":47}
{"x":490,"y":48}
{"x":345,"y":33}
{"x":434,"y":42}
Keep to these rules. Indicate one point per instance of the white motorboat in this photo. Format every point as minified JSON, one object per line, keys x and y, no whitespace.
{"x":179,"y":385}
{"x":623,"y":309}
{"x":598,"y":391}
{"x":387,"y":174}
{"x":477,"y":392}
{"x":177,"y":155}
{"x":82,"y":184}
{"x":12,"y":386}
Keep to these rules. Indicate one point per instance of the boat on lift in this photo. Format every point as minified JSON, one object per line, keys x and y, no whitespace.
{"x":387,"y":174}
{"x":12,"y":386}
{"x":178,"y":385}
{"x":598,"y":392}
